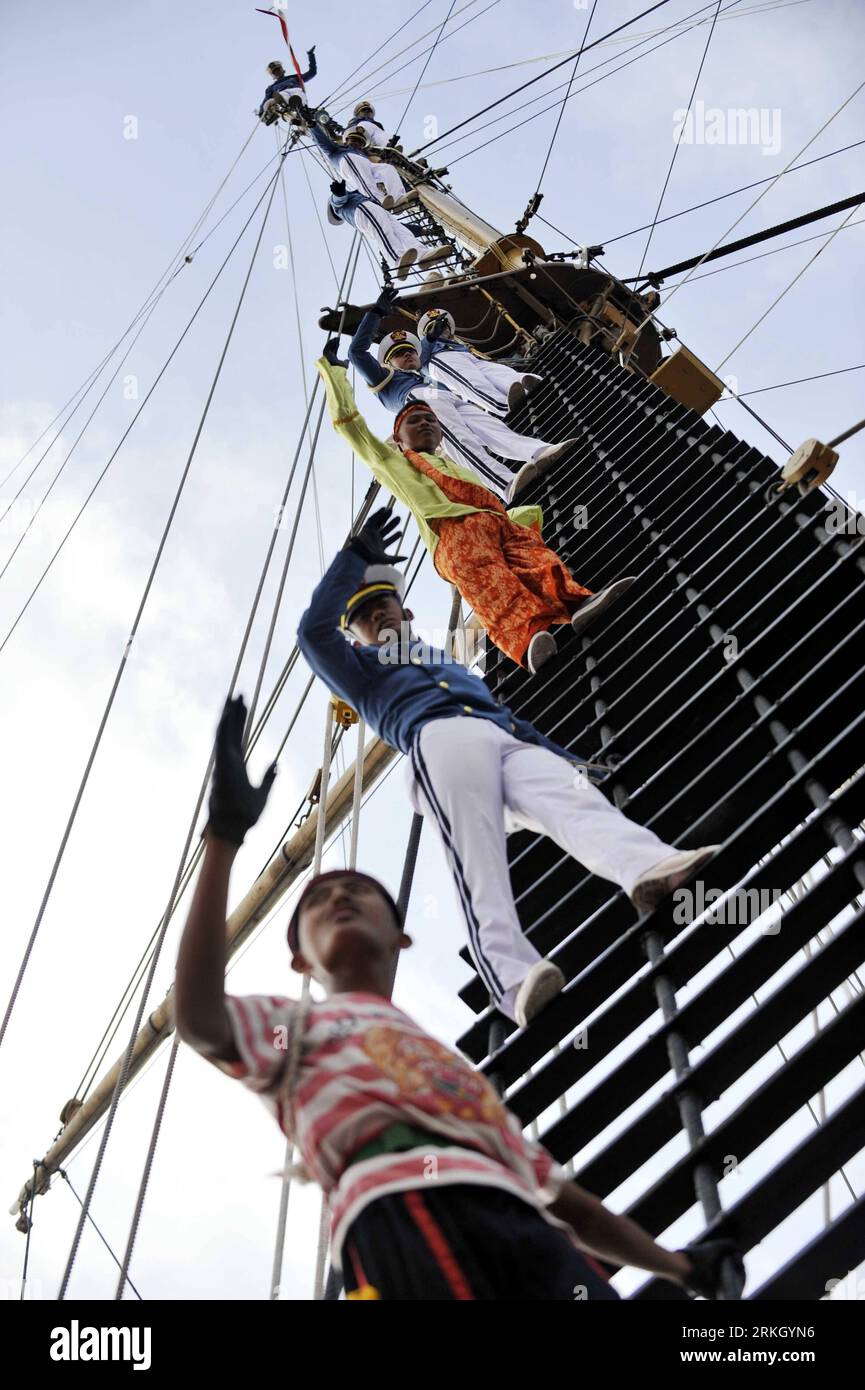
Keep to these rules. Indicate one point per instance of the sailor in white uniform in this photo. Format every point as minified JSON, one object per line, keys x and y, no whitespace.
{"x":375,"y":173}
{"x":364,"y":121}
{"x":444,"y":359}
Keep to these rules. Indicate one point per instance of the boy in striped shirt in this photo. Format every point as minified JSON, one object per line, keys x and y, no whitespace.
{"x":434,"y":1192}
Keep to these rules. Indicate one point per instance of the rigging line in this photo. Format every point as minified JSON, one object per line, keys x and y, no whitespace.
{"x":677,"y":145}
{"x":678,"y":32}
{"x":122,"y":665}
{"x":755,"y":238}
{"x":345,"y":95}
{"x":540,"y":76}
{"x":324,"y":237}
{"x":565,"y":97}
{"x":426,"y":65}
{"x":29,"y":1219}
{"x":148,"y":1166}
{"x":568,"y":53}
{"x":67,"y":1180}
{"x":608,"y":241}
{"x":776,"y":250}
{"x":759,"y":197}
{"x":185,"y":873}
{"x":131,"y":425}
{"x":65,"y":1176}
{"x":777,"y":300}
{"x":156,"y":288}
{"x":344,"y":289}
{"x":71,"y":450}
{"x":384,"y":44}
{"x":121,"y":1009}
{"x":846,"y":434}
{"x":800,"y":381}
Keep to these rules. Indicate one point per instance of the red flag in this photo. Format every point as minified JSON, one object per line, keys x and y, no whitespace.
{"x":283,"y":24}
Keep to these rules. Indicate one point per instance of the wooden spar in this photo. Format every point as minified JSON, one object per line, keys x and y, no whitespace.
{"x":457,"y":219}
{"x":272,"y":884}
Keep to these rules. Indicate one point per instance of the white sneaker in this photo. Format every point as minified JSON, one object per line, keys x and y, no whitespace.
{"x":553,"y":453}
{"x":435,"y":253}
{"x":526,"y":475}
{"x":434,"y":277}
{"x":388,"y":201}
{"x":543,"y":982}
{"x":654,"y":885}
{"x":532,"y":382}
{"x":542,"y":647}
{"x":516,"y":394}
{"x":407,"y":259}
{"x":592,"y":607}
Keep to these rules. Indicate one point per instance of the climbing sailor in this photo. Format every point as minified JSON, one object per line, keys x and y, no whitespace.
{"x":476,"y":771}
{"x":516,"y":585}
{"x":399,"y":248}
{"x":370,"y":135}
{"x":274,"y":104}
{"x":371,"y":1100}
{"x":471,"y":435}
{"x":444,"y":359}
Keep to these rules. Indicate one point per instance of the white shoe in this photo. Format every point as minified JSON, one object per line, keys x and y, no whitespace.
{"x":435,"y":253}
{"x":654,"y":885}
{"x":532,"y":382}
{"x":434,"y":277}
{"x":407,"y":259}
{"x":388,"y":201}
{"x":542,"y":647}
{"x":516,"y":394}
{"x":596,"y":604}
{"x":526,"y":475}
{"x":405,"y":199}
{"x":543,"y":982}
{"x":553,"y":453}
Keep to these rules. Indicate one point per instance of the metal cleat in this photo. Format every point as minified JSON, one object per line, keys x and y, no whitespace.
{"x":343,"y":714}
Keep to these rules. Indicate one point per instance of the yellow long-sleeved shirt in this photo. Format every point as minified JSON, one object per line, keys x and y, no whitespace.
{"x":424,"y":499}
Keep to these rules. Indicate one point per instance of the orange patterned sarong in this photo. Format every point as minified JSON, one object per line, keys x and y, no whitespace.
{"x":516,"y":584}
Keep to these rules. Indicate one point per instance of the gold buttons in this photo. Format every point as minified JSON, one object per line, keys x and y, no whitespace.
{"x":467,"y":708}
{"x":444,"y":685}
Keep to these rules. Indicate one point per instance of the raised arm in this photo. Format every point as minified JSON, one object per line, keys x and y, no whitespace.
{"x":330,"y":149}
{"x":311,"y":64}
{"x":373,"y":373}
{"x":319,"y":637}
{"x":235,"y":806}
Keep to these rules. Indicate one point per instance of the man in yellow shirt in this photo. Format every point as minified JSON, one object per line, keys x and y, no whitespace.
{"x":516,"y":585}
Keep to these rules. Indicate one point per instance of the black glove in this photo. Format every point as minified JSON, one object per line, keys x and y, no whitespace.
{"x":384,"y":304}
{"x":331,"y":352}
{"x":393,"y":142}
{"x":704,"y":1277}
{"x":235,"y":804}
{"x":338,"y":187}
{"x":435,"y":328}
{"x":377,"y":533}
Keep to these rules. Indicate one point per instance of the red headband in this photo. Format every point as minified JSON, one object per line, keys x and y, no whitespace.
{"x":412,"y":405}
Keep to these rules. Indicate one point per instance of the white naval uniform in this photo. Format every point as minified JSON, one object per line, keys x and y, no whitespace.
{"x":370,"y":177}
{"x":386,"y":232}
{"x":483,"y":383}
{"x":373,"y":132}
{"x":460,"y":439}
{"x":382,"y":174}
{"x":475,"y":782}
{"x":478,"y":433}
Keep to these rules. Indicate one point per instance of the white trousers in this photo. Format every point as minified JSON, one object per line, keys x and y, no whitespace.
{"x":475,"y":782}
{"x":371,"y":176}
{"x":477,"y":432}
{"x":481,"y":383}
{"x":460,"y":438}
{"x":386,"y":233}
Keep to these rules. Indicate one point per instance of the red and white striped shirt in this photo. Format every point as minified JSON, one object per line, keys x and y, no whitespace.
{"x":364,"y":1066}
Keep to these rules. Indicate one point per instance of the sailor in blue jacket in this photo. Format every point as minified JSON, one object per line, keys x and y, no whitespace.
{"x":286,"y":82}
{"x":443,"y":358}
{"x":471,"y":436}
{"x":476,"y":771}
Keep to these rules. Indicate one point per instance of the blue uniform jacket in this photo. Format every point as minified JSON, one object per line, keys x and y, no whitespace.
{"x":397,"y":699}
{"x":290,"y":82}
{"x":392,"y":387}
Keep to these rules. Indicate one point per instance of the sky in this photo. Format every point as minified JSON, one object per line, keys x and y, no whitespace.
{"x":120,"y":128}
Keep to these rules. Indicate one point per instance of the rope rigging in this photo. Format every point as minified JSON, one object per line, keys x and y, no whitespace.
{"x":677,"y":144}
{"x":407,"y":106}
